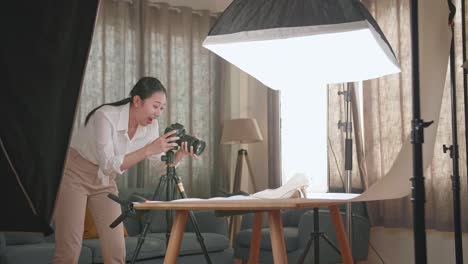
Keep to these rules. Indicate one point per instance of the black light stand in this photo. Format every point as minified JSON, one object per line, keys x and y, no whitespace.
{"x":417,"y":139}
{"x":171,"y":181}
{"x":347,"y":127}
{"x":465,"y":72}
{"x":453,"y":149}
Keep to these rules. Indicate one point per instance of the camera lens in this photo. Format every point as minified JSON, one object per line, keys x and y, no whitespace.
{"x":198,"y":145}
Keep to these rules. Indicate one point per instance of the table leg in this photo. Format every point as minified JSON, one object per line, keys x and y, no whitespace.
{"x":256,"y":238}
{"x":340,"y":234}
{"x":175,"y":240}
{"x":277,"y":237}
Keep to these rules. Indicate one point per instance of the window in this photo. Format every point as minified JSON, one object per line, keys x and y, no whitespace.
{"x":304,"y":135}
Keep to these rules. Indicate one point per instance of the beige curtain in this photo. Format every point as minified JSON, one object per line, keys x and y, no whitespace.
{"x":144,"y":38}
{"x":387,"y":118}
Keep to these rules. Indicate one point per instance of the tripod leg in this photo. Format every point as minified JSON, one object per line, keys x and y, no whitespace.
{"x":327,"y":239}
{"x":314,"y":236}
{"x":340,"y":234}
{"x":199,"y":237}
{"x":317,"y":238}
{"x":149,"y":218}
{"x":180,"y":187}
{"x":306,"y":249}
{"x":170,"y":191}
{"x":173,"y":246}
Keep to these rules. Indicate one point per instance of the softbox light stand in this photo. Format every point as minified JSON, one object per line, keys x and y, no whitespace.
{"x":465,"y":72}
{"x":453,"y":149}
{"x":417,"y":139}
{"x":347,"y":127}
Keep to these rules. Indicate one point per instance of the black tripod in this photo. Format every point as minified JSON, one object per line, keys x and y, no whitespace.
{"x":315,"y":238}
{"x":170,"y":182}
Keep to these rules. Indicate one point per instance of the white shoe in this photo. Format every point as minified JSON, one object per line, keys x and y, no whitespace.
{"x":293,"y":188}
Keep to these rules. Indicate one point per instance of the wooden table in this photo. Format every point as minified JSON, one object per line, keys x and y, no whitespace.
{"x":272,"y":206}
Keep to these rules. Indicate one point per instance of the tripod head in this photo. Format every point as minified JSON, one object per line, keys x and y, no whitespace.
{"x":170,"y":163}
{"x":168,"y":157}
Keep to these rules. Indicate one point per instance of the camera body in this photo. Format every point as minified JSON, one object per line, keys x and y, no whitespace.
{"x":197,"y":144}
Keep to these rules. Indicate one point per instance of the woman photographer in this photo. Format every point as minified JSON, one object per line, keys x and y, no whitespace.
{"x":115,"y":137}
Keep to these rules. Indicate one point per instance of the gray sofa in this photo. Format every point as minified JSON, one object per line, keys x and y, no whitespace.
{"x":28,"y":248}
{"x":298,"y":226}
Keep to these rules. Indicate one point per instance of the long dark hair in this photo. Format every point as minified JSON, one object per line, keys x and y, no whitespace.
{"x":144,"y":88}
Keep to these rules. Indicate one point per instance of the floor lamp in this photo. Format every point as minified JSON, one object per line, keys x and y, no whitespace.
{"x":289,"y":44}
{"x":240,"y":131}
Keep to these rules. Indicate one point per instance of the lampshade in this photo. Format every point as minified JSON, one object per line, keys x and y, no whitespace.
{"x":289,"y":43}
{"x":243,"y":130}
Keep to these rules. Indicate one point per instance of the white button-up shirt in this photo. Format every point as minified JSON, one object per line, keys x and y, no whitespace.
{"x":104,"y":141}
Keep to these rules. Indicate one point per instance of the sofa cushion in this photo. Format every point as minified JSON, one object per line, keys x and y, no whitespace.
{"x":21,"y":238}
{"x":37,"y":253}
{"x":151,"y":248}
{"x":213,"y":242}
{"x":208,"y":222}
{"x":292,"y":217}
{"x":2,"y":244}
{"x":290,"y":238}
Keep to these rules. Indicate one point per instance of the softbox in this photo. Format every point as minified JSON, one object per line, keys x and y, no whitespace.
{"x":290,"y":43}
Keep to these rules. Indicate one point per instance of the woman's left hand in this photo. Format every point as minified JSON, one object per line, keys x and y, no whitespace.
{"x":183,"y":151}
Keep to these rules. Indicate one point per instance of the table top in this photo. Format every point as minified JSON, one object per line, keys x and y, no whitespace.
{"x":239,"y":203}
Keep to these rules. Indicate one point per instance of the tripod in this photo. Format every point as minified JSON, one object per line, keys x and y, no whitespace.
{"x":170,"y":181}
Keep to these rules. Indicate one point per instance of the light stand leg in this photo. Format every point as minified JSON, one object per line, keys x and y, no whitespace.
{"x":417,"y":139}
{"x":454,"y":149}
{"x":314,"y":237}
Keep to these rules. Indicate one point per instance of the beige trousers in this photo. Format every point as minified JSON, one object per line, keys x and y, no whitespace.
{"x":80,"y":187}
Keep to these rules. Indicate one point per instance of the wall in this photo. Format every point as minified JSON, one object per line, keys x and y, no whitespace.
{"x":248,"y":99}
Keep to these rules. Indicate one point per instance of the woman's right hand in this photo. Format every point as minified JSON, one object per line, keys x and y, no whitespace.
{"x":162,"y":144}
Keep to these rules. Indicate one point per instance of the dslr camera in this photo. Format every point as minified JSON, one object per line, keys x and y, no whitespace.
{"x":197,"y":144}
